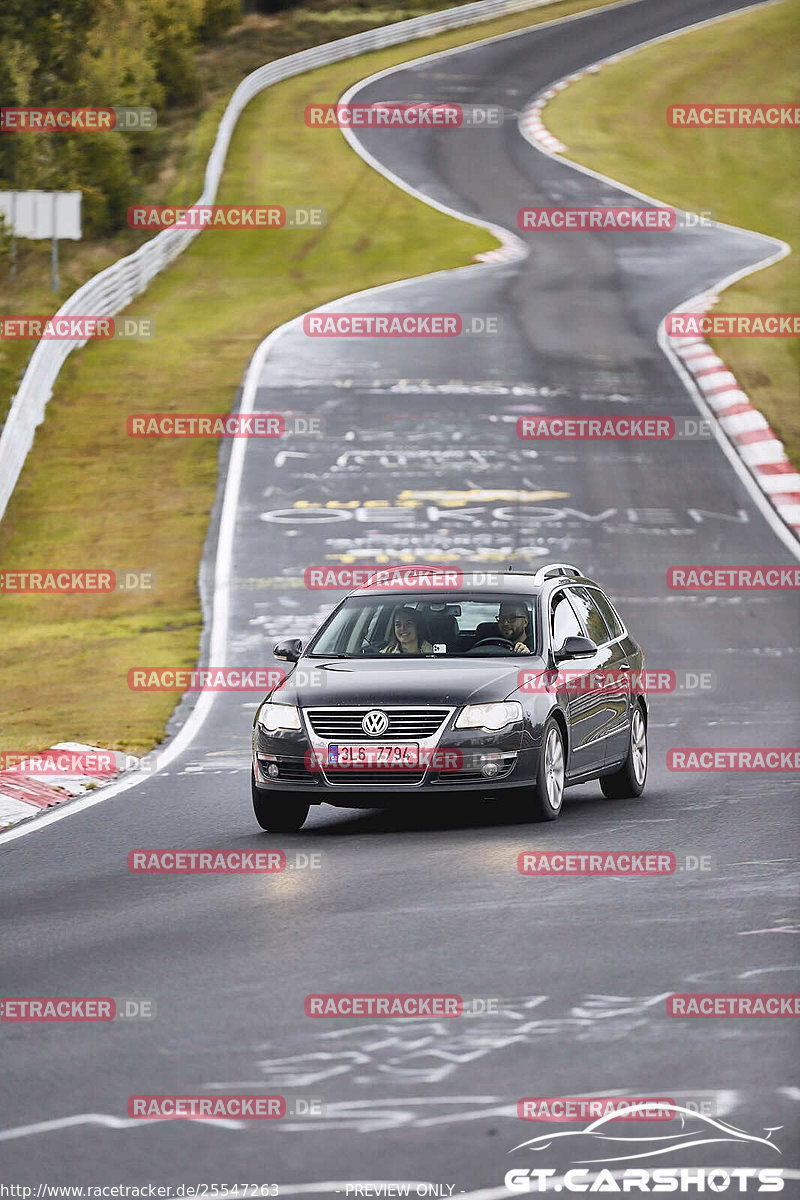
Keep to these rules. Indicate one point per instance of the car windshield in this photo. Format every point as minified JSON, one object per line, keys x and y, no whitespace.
{"x":428,"y":626}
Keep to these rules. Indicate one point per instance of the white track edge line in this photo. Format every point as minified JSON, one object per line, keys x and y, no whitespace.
{"x":757,"y":494}
{"x":221,"y":598}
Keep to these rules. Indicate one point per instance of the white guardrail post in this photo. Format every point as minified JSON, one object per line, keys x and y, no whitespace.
{"x":111,"y":290}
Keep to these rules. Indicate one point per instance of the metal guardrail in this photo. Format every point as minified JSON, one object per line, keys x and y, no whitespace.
{"x":113,"y":289}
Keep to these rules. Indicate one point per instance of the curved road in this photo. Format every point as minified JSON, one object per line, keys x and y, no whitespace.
{"x":433,"y":902}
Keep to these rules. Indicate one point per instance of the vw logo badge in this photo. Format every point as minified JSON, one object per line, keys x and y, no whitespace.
{"x":375,"y":722}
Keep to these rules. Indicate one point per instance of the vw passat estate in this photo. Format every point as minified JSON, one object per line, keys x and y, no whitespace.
{"x":510,"y":687}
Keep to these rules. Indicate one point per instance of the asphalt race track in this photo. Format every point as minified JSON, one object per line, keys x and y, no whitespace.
{"x":420,"y":458}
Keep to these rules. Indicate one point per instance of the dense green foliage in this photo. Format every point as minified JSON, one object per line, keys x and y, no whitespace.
{"x":106,"y":53}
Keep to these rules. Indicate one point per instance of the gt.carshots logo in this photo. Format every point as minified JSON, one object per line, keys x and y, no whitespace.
{"x":401,"y":578}
{"x":384,"y":1005}
{"x":199,"y":1108}
{"x":755,"y":758}
{"x":710,"y":578}
{"x":598,"y":217}
{"x":208,"y":679}
{"x":681,"y":1180}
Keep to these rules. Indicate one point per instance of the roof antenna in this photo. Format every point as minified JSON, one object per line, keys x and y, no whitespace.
{"x":509,"y":569}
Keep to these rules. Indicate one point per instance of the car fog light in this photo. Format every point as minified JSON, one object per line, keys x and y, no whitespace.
{"x":489,"y":769}
{"x":272,"y":770}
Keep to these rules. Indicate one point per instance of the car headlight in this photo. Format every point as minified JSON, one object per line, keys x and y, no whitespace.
{"x":279,"y":716}
{"x":489,"y":716}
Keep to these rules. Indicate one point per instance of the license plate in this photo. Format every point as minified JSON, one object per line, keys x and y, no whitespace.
{"x":368,"y":756}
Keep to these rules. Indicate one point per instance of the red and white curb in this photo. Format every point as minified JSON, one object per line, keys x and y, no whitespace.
{"x":531,"y":124}
{"x":23,"y":796}
{"x":745,"y":427}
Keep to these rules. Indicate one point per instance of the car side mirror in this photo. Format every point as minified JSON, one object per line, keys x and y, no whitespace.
{"x":289,"y":649}
{"x":576,"y":647}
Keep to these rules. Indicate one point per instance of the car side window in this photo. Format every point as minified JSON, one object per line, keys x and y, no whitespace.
{"x":607,"y":609}
{"x":563,"y":622}
{"x":594,"y":621}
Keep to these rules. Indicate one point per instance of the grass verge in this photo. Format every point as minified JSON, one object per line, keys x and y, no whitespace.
{"x":185,"y":135}
{"x":91,"y":497}
{"x":615,"y":122}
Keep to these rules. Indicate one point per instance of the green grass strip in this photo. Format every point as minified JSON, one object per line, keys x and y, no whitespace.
{"x":616,"y":122}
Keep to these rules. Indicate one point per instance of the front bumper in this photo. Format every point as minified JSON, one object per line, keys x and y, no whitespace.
{"x":463,"y":761}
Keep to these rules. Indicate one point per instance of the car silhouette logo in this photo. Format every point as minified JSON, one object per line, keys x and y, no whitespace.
{"x":375,"y":722}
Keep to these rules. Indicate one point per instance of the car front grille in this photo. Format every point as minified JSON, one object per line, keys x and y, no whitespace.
{"x":405,"y":724}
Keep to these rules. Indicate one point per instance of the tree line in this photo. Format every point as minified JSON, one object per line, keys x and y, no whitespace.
{"x":104,"y":53}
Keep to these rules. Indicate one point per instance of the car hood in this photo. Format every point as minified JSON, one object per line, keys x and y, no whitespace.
{"x":319,"y":682}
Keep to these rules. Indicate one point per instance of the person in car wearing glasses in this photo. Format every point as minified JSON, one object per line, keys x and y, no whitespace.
{"x":512,"y":622}
{"x":408,"y":637}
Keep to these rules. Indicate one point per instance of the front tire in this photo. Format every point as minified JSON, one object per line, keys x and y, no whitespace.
{"x":277,"y":812}
{"x":544,"y":802}
{"x":628,"y":782}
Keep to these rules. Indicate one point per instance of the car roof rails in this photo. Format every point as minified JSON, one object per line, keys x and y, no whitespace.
{"x":550,"y":570}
